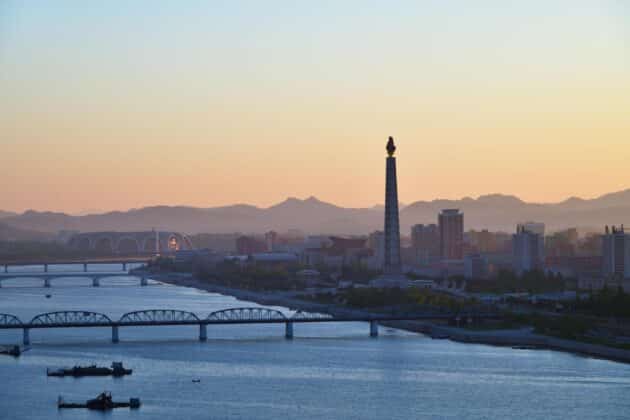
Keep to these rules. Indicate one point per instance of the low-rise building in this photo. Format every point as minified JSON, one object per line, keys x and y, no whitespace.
{"x":475,"y":266}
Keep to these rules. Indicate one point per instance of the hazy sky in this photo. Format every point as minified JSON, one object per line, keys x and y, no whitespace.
{"x":119,"y":104}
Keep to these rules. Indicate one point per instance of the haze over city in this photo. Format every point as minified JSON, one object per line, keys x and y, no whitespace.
{"x":116,"y":105}
{"x":315,"y":210}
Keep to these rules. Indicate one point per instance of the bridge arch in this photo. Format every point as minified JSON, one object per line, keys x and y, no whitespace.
{"x":70,"y":317}
{"x":247,"y":314}
{"x":157,"y":315}
{"x":149,"y":245}
{"x":104,"y":243}
{"x":84,"y":243}
{"x":8,"y":319}
{"x":301,"y":315}
{"x":127,"y":245}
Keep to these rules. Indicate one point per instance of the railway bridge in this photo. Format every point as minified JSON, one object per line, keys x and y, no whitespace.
{"x":231,"y":316}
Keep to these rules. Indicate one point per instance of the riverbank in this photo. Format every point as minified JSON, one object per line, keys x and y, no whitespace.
{"x":520,"y":338}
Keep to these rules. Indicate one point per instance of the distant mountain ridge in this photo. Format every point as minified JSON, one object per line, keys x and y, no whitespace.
{"x":493,"y":211}
{"x":4,"y":214}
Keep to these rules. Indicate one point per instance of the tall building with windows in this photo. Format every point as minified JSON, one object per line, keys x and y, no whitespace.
{"x":528,"y":247}
{"x":425,"y":242}
{"x":451,"y":226}
{"x":271,"y":240}
{"x":376,"y":243}
{"x":616,"y":253}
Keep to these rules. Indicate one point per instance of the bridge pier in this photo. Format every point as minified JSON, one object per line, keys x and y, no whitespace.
{"x":288,"y":330}
{"x":6,"y":268}
{"x":203,"y":332}
{"x":124,"y":266}
{"x":144,"y":281}
{"x":96,"y":282}
{"x":45,"y":268}
{"x":115,"y":334}
{"x":373,"y":329}
{"x":26,"y":339}
{"x":46,"y":282}
{"x":85,"y":267}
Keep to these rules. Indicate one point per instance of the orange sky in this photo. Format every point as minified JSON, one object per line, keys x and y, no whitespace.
{"x":112,"y":109}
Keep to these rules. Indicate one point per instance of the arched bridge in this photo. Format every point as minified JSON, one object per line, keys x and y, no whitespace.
{"x":71,"y":318}
{"x":245,"y":315}
{"x":309,"y":316}
{"x":250,"y":315}
{"x":8,"y":319}
{"x":158,"y":316}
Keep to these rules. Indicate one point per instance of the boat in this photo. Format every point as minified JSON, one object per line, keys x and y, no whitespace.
{"x":48,"y":296}
{"x":116,"y":369}
{"x":525,"y":347}
{"x":102,"y":402}
{"x":14,"y":350}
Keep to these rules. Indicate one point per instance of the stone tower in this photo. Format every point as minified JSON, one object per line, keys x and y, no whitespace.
{"x":392,"y":265}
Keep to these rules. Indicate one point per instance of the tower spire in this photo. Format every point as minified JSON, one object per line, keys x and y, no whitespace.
{"x":392,"y":263}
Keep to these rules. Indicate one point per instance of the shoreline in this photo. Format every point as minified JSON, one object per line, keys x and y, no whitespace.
{"x":523,"y":337}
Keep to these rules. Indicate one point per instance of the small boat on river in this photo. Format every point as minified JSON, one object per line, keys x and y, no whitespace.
{"x":14,"y":350}
{"x":103,"y":402}
{"x":116,"y":369}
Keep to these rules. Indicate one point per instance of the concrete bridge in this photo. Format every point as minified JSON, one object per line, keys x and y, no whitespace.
{"x":94,"y":278}
{"x":47,"y":276}
{"x":48,"y":264}
{"x":246,"y":315}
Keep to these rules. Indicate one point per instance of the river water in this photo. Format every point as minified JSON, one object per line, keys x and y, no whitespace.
{"x":328,"y":371}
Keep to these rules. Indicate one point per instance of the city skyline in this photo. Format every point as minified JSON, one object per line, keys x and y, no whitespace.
{"x":329,"y":209}
{"x":217,"y":104}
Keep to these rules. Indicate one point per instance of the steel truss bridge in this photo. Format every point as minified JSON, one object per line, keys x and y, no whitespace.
{"x":245,"y":315}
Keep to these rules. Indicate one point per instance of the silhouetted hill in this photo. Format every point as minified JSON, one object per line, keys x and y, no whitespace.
{"x":494,"y":211}
{"x":10,"y":233}
{"x":6,"y":214}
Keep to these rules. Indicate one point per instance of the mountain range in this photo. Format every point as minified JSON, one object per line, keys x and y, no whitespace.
{"x":494,"y":212}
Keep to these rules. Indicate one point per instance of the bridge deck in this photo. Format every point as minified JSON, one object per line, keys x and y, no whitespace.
{"x":59,"y":274}
{"x":252,"y":321}
{"x":122,"y":260}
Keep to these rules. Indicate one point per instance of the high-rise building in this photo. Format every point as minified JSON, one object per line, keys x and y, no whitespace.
{"x":616,"y":253}
{"x":376,"y":242}
{"x":533,"y":227}
{"x":528,"y":249}
{"x":392,"y":263}
{"x":425,"y":242}
{"x":271,"y":239}
{"x":451,"y":225}
{"x":247,"y":245}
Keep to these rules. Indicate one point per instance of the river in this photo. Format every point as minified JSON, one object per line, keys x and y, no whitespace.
{"x":328,"y":371}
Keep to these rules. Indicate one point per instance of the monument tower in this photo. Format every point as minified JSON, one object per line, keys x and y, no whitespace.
{"x":391,"y":264}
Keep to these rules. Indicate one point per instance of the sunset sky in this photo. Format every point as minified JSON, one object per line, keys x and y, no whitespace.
{"x":117,"y":104}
